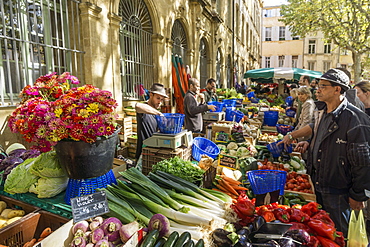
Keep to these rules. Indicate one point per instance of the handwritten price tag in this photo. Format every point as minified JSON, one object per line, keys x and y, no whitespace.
{"x":89,"y":206}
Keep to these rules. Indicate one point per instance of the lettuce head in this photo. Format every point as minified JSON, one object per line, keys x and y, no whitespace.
{"x":20,"y":178}
{"x":47,"y":165}
{"x":49,"y":187}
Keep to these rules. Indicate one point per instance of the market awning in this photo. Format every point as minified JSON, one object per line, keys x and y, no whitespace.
{"x":280,"y":73}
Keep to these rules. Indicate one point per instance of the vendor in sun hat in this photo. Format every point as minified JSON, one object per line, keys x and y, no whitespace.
{"x":145,"y":116}
{"x":338,"y":151}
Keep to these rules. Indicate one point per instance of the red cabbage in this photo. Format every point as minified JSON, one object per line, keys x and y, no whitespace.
{"x":10,"y":161}
{"x":30,"y":153}
{"x":17,"y":152}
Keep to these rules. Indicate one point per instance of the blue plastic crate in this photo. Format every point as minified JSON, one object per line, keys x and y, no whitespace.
{"x":229,"y":102}
{"x":276,"y":149}
{"x":290,"y":113}
{"x":219,"y":106}
{"x":265,"y":181}
{"x":284,"y":129}
{"x":81,"y":187}
{"x":234,"y":116}
{"x":204,"y":146}
{"x":170,"y":123}
{"x":271,"y":118}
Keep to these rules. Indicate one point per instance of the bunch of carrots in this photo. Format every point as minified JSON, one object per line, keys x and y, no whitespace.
{"x":229,"y":186}
{"x":46,"y":232}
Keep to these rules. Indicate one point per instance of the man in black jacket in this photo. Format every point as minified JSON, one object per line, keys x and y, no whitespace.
{"x":338,"y":154}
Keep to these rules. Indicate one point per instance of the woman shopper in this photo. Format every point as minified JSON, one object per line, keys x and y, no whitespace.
{"x":363,"y":92}
{"x":307,"y":108}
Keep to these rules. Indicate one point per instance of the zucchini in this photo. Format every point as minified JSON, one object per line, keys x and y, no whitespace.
{"x":171,"y":240}
{"x":190,"y":243}
{"x":160,"y":242}
{"x":183,"y":239}
{"x":150,"y":239}
{"x":200,"y":243}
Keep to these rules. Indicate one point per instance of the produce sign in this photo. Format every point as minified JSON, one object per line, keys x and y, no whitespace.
{"x":227,"y":161}
{"x":89,"y":206}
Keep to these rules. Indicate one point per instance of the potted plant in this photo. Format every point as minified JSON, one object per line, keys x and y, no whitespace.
{"x":51,"y":112}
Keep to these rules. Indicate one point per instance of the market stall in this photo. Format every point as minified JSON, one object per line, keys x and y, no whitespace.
{"x":233,"y":187}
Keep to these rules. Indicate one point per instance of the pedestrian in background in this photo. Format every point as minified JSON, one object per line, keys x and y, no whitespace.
{"x":308,"y":106}
{"x":363,"y":93}
{"x":338,"y":152}
{"x":210,"y":91}
{"x":194,"y":109}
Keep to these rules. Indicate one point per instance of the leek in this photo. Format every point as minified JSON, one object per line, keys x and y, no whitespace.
{"x":135,"y":176}
{"x":189,"y":185}
{"x":168,"y":212}
{"x":223,"y":196}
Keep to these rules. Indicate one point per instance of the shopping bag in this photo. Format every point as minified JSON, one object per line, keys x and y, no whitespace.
{"x":357,"y":236}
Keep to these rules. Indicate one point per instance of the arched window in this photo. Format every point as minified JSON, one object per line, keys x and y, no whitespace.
{"x":136,"y":47}
{"x":180,"y":43}
{"x":203,"y":62}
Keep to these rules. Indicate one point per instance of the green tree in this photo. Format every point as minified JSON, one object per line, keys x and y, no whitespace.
{"x":345,"y":22}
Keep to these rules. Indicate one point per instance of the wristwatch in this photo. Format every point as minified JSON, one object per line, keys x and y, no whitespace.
{"x":290,"y":136}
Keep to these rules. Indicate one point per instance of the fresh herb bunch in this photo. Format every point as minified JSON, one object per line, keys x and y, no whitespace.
{"x":180,"y":168}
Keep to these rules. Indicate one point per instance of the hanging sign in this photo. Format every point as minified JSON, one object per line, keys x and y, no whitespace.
{"x":89,"y":206}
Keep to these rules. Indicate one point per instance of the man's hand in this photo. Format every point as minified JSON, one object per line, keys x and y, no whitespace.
{"x":356,"y":205}
{"x":212,"y":107}
{"x":301,"y":147}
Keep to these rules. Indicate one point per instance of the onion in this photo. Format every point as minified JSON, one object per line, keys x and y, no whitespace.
{"x":126,"y":231}
{"x":111,"y":228}
{"x":97,"y":235}
{"x":82,"y":225}
{"x":161,"y":223}
{"x":78,"y":242}
{"x":102,"y":243}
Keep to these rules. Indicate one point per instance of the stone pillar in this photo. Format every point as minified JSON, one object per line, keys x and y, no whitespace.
{"x":113,"y":77}
{"x":90,"y":15}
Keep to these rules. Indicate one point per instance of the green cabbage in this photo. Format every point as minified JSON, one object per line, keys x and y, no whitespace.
{"x":49,"y":187}
{"x":20,"y":178}
{"x":47,"y":166}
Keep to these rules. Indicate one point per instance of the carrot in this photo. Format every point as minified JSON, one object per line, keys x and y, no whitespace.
{"x":46,"y":232}
{"x":30,"y":243}
{"x":230,"y":180}
{"x":228,"y":187}
{"x":239,"y":188}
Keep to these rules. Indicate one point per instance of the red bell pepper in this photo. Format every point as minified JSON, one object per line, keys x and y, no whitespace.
{"x":326,"y":242}
{"x":340,"y":239}
{"x":323,"y":229}
{"x":314,"y":242}
{"x":296,"y":225}
{"x":281,"y":214}
{"x":269,"y":216}
{"x":311,"y":208}
{"x":296,"y":215}
{"x":244,"y":206}
{"x":324,"y":217}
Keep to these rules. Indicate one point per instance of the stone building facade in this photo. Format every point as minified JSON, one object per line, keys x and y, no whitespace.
{"x":128,"y":43}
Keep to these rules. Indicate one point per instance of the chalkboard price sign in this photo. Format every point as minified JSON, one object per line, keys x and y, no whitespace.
{"x":89,"y":206}
{"x":227,"y":161}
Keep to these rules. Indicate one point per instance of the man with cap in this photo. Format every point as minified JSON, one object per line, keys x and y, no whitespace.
{"x":338,"y":153}
{"x":193,"y":110}
{"x":145,"y":116}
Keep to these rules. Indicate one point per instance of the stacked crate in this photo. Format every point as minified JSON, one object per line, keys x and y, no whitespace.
{"x":131,"y":145}
{"x":126,"y":129}
{"x":152,"y":155}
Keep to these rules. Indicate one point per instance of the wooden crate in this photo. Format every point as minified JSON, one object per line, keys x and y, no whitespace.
{"x":307,"y":196}
{"x":152,"y":156}
{"x":30,"y":227}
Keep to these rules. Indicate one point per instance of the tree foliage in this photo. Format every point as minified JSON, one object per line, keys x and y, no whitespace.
{"x":345,"y":22}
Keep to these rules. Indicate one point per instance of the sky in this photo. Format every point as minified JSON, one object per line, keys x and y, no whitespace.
{"x":273,"y":2}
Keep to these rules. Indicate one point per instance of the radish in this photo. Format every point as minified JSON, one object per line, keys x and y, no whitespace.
{"x":111,"y":228}
{"x":161,"y":223}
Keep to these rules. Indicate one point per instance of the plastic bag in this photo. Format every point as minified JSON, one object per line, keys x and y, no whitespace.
{"x":357,"y":236}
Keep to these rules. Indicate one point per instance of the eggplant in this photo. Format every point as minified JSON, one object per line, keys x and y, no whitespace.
{"x":220,"y":238}
{"x":245,"y":231}
{"x":273,"y":243}
{"x":299,"y":235}
{"x":258,"y":222}
{"x":287,"y":242}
